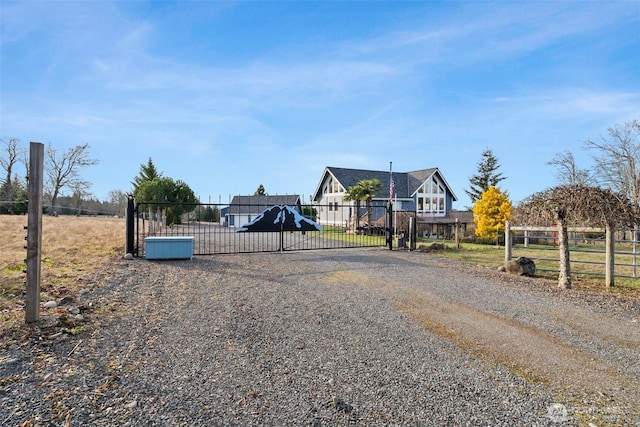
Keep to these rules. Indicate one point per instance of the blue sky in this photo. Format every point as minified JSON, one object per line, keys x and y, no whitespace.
{"x":230,"y":95}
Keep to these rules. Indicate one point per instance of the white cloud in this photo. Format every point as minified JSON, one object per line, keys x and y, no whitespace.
{"x":479,"y":32}
{"x":426,"y":90}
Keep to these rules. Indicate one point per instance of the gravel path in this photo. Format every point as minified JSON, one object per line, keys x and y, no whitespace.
{"x":327,"y":338}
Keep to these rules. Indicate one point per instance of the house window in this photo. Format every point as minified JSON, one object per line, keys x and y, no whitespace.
{"x":430,"y":197}
{"x":332,"y":186}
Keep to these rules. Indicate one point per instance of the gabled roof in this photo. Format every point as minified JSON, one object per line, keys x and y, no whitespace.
{"x":417,"y":178}
{"x":405,"y":183}
{"x":257,"y":204}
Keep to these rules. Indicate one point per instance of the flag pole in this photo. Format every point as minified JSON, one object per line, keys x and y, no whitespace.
{"x":390,"y":180}
{"x":390,"y":208}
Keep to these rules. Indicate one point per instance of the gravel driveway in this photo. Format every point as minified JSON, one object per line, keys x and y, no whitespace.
{"x":328,"y":338}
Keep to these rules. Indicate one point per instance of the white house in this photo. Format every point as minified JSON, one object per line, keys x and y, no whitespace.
{"x":424,"y":192}
{"x":243,"y":209}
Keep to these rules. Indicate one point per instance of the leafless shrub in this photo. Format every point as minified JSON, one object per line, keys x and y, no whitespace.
{"x":577,"y":205}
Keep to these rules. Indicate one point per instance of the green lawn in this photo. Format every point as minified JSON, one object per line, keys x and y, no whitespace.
{"x":585,"y":263}
{"x":336,"y":233}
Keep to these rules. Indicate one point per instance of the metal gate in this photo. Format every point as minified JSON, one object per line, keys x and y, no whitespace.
{"x":216,"y":228}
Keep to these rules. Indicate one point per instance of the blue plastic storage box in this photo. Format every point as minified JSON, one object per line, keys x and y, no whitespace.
{"x":173,"y":247}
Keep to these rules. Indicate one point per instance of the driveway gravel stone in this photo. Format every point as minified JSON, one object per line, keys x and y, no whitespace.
{"x":326,"y":338}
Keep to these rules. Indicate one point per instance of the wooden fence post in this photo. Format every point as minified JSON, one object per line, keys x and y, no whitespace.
{"x":507,"y":242}
{"x":610,"y":255}
{"x":34,"y":231}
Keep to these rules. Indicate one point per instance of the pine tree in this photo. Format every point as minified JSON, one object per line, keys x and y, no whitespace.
{"x":486,"y":176}
{"x":148,"y":172}
{"x":260,"y":191}
{"x":490,"y":213}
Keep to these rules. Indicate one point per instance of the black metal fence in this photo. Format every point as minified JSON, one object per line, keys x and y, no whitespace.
{"x":217,"y":228}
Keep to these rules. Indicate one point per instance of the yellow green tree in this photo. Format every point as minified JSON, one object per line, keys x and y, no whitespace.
{"x":490,"y":212}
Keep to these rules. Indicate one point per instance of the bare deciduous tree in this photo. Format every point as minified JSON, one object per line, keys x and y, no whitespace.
{"x":576,"y":205}
{"x":118,"y":198}
{"x":62,"y":170}
{"x":80,"y":193}
{"x":618,"y":159}
{"x":567,"y":172}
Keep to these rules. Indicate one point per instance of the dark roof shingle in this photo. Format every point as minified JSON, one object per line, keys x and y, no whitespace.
{"x":405,"y":183}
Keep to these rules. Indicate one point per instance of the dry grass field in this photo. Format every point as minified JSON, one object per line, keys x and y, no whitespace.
{"x":72,"y":247}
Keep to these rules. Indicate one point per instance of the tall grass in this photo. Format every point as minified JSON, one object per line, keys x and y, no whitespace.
{"x":72,"y":247}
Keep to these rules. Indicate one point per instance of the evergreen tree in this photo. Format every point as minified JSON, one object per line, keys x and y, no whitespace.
{"x":148,"y":172}
{"x":152,"y":190}
{"x":486,"y":176}
{"x":13,"y":200}
{"x":260,"y":191}
{"x":166,"y":195}
{"x":208,"y":214}
{"x":11,"y":154}
{"x":310,"y":212}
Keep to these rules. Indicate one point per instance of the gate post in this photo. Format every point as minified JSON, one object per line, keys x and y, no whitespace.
{"x":130,"y":215}
{"x":282,"y":236}
{"x":413,"y":233}
{"x":390,"y":225}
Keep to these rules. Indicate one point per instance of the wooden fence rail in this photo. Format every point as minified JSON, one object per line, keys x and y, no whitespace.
{"x":609,"y":245}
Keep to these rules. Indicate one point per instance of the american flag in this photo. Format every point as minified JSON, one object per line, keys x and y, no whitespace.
{"x":391,"y":185}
